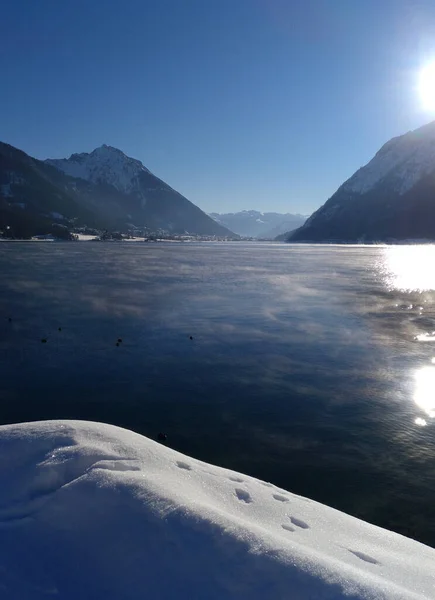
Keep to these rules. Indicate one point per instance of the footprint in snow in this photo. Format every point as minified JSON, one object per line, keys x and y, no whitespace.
{"x":364,"y":557}
{"x":236,"y":479}
{"x":243,"y":495}
{"x":299,"y":523}
{"x":183,"y":465}
{"x":288,"y":527}
{"x":280,"y":498}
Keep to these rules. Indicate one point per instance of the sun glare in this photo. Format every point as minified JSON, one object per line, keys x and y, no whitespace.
{"x":424,"y":394}
{"x":427,"y":86}
{"x":409,"y":268}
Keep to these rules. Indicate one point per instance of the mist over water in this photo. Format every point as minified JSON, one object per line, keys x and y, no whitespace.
{"x":310,"y":366}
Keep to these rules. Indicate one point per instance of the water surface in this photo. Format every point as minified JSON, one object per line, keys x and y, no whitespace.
{"x":312,"y":367}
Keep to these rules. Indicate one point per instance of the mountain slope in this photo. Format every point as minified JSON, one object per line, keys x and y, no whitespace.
{"x":252,"y":223}
{"x":146,"y":199}
{"x":33,"y":195}
{"x":391,"y":198}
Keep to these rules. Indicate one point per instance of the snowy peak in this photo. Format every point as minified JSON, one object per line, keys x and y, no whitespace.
{"x":103,"y":189}
{"x":122,"y":189}
{"x":105,"y":164}
{"x":390,"y":199}
{"x":404,"y":160}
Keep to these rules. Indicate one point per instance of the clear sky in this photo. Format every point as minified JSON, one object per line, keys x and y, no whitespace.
{"x":238,"y":104}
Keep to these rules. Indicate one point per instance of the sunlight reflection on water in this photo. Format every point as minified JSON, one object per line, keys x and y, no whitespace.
{"x":409,"y":268}
{"x":424,"y":394}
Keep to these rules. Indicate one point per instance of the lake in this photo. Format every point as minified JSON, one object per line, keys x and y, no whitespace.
{"x":312,"y":367}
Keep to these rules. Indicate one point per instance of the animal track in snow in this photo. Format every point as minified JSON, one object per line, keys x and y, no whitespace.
{"x":288,"y":527}
{"x":299,"y":523}
{"x":183,"y":465}
{"x":280,"y":498}
{"x":243,"y":495}
{"x":236,"y":479}
{"x":364,"y":557}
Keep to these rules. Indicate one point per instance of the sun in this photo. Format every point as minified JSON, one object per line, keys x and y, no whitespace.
{"x":427,"y":86}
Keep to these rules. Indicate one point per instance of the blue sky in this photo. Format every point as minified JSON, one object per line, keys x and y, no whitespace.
{"x":238,"y":104}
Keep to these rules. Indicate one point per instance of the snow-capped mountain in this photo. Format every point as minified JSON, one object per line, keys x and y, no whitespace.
{"x":104,"y":165}
{"x":252,"y":223}
{"x":392,"y":197}
{"x":146,"y":200}
{"x":103,"y":189}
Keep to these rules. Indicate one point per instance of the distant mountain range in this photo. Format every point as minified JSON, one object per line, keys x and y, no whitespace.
{"x":391,"y":198}
{"x":251,"y":223}
{"x":102,"y":189}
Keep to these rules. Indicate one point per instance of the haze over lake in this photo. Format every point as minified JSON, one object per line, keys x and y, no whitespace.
{"x":310,"y":366}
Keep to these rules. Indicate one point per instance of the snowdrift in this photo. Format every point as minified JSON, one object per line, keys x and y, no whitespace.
{"x":89,"y":510}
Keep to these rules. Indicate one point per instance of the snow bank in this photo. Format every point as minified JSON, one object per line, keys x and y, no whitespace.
{"x":94,"y":511}
{"x":84,"y":237}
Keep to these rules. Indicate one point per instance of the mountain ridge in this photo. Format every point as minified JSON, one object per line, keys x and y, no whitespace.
{"x":390,"y":198}
{"x":104,"y":188}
